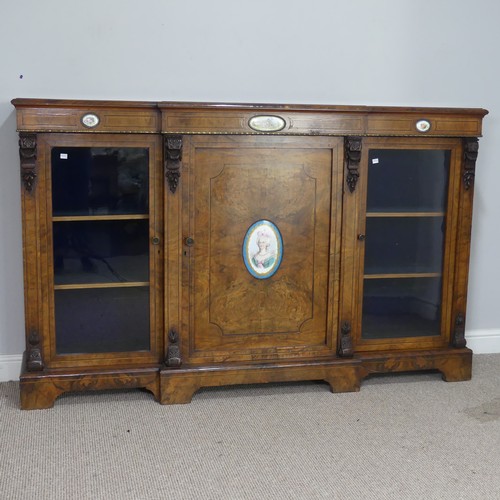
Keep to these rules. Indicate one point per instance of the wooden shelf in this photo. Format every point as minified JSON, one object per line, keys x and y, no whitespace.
{"x":405,"y":214}
{"x":78,"y":218}
{"x":401,"y":275}
{"x":82,"y":286}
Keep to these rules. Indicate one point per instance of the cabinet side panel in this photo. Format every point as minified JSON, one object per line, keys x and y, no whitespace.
{"x":466,"y":189}
{"x":31,"y":197}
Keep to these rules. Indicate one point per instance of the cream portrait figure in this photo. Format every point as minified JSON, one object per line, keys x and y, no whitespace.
{"x":265,"y":257}
{"x":262,"y":249}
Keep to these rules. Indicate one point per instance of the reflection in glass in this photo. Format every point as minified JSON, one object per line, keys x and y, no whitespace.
{"x":403,"y":307}
{"x":404,"y":245}
{"x":99,"y":252}
{"x":102,"y":320}
{"x":99,"y":181}
{"x":407,"y":180}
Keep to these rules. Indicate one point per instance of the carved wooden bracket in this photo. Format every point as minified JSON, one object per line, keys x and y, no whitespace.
{"x":471,"y":149}
{"x":353,"y":157}
{"x":34,"y":360}
{"x":459,"y":332}
{"x":27,"y":153}
{"x":346,"y":350}
{"x":173,"y":351}
{"x":173,"y":158}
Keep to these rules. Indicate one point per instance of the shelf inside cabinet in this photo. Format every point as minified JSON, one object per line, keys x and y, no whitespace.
{"x":81,"y":286}
{"x":401,"y":275}
{"x":404,"y":214}
{"x":96,"y":218}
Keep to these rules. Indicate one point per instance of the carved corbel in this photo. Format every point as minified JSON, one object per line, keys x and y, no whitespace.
{"x":173,"y":350}
{"x":173,"y":158}
{"x":27,"y":154}
{"x":458,"y":340}
{"x":34,"y":360}
{"x":471,"y":149}
{"x":346,"y":350}
{"x":353,"y":157}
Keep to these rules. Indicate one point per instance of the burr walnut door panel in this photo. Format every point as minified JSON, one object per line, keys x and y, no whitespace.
{"x":260,"y":227}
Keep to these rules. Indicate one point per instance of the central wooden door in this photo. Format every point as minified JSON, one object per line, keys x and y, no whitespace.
{"x":259,"y":219}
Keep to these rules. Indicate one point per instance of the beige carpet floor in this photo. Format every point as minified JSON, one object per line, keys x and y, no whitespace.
{"x":402,"y":437}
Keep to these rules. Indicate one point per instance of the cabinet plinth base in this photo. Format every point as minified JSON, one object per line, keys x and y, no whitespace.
{"x":39,"y":390}
{"x":179,"y":385}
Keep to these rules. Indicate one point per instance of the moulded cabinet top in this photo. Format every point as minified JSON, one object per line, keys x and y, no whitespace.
{"x":304,"y":119}
{"x":318,"y":107}
{"x":74,"y":103}
{"x":61,"y":115}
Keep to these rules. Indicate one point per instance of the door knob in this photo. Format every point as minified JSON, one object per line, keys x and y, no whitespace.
{"x":189,"y":241}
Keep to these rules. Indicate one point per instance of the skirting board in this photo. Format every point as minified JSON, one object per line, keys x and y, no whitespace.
{"x":10,"y":367}
{"x":483,"y":341}
{"x":480,"y":341}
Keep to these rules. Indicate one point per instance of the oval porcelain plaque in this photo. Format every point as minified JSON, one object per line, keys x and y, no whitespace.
{"x":266,"y":123}
{"x":423,"y":125}
{"x":90,"y":120}
{"x":262,"y":249}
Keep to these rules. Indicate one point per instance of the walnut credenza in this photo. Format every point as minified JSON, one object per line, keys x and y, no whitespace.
{"x":173,"y":246}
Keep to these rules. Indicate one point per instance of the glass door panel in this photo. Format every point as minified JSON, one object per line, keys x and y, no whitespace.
{"x":99,"y":181}
{"x":404,"y":245}
{"x":405,"y":235}
{"x":400,"y":180}
{"x":101,"y":251}
{"x":401,"y":307}
{"x":100,"y":240}
{"x":97,"y":320}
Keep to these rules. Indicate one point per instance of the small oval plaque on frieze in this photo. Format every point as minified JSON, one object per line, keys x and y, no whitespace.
{"x":423,"y":126}
{"x":266,"y":123}
{"x":90,"y":120}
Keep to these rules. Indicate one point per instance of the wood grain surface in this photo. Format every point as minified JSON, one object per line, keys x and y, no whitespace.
{"x":212,"y":322}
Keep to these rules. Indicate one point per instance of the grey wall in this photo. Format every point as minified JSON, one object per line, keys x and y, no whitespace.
{"x":388,"y":52}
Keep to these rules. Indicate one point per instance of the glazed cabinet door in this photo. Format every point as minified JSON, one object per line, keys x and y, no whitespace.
{"x":400,"y":238}
{"x":98,"y":299}
{"x":254,"y":232}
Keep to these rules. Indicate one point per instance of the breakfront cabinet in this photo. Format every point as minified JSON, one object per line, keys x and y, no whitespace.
{"x":174,"y":246}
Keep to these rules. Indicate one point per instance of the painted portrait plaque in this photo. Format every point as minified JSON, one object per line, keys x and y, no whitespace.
{"x":262,"y":249}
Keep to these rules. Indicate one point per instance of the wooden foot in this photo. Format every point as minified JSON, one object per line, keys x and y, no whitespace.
{"x":38,"y":395}
{"x":349,"y":382}
{"x":457,"y":368}
{"x":178,"y":389}
{"x":39,"y":390}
